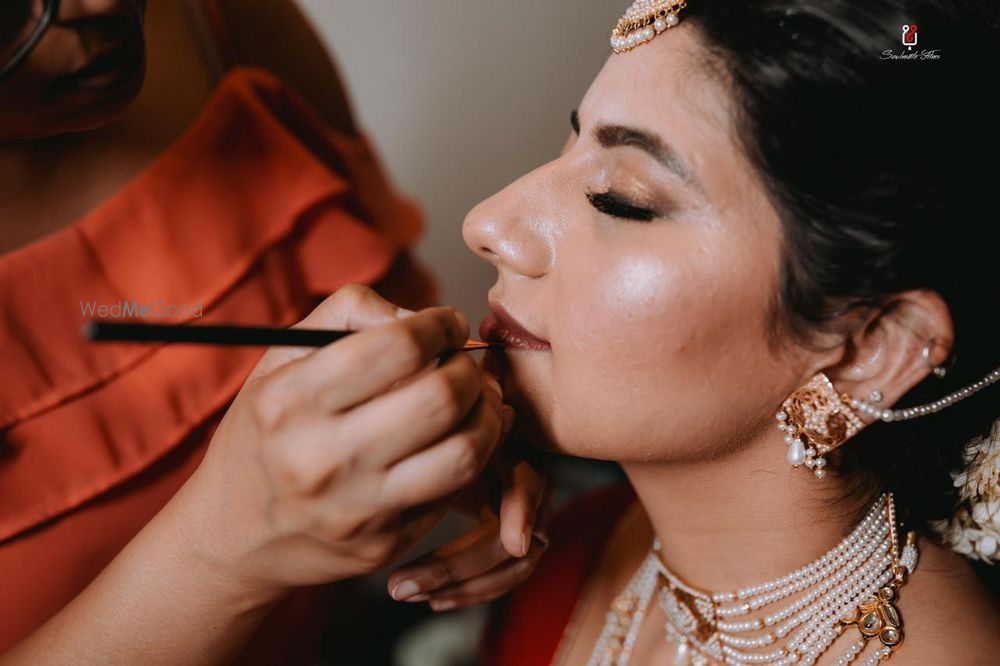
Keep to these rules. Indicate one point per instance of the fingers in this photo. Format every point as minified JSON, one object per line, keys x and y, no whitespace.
{"x":479,"y":499}
{"x":468,"y":556}
{"x":483,"y":587}
{"x":523,"y":489}
{"x":352,"y":307}
{"x":432,"y":405}
{"x":367,"y":440}
{"x":369,"y":362}
{"x":450,"y":465}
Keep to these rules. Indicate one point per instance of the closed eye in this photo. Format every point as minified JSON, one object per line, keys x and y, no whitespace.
{"x":613,"y":204}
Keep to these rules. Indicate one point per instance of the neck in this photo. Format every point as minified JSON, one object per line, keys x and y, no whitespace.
{"x":743,"y":519}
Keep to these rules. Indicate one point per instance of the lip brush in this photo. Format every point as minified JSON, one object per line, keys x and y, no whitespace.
{"x":107,"y":331}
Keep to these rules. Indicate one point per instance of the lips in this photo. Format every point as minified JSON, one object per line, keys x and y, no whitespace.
{"x":115,"y":55}
{"x":500,"y":326}
{"x":114,"y":65}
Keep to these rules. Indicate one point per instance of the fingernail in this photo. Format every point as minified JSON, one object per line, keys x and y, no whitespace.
{"x":405,"y":590}
{"x":525,"y":542}
{"x":444,"y":605}
{"x":403,"y":313}
{"x":420,"y":597}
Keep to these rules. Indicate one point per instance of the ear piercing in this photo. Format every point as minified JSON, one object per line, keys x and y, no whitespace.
{"x":939,"y":371}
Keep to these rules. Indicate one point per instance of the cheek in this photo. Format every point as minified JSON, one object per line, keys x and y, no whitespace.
{"x":628,"y":303}
{"x":654,"y":347}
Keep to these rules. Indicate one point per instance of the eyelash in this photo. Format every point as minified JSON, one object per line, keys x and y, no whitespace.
{"x":611,"y":203}
{"x":615,"y":205}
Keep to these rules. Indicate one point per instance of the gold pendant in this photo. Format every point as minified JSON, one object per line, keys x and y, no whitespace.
{"x":878,"y":616}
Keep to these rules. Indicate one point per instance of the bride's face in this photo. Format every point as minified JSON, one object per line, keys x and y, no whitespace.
{"x":647,"y":256}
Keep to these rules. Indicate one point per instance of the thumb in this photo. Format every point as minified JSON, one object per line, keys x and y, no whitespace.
{"x":353,"y":307}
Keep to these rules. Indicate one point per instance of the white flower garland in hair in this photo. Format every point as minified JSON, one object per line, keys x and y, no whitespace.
{"x":974,"y":528}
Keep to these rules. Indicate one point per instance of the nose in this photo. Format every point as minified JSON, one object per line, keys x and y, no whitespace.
{"x":74,"y":10}
{"x":516,"y":229}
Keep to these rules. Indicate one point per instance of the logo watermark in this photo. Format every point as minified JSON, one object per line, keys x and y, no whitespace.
{"x":154,"y":310}
{"x":909,"y":37}
{"x":926,"y":54}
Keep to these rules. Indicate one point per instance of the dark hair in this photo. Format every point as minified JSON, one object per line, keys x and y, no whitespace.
{"x":880,"y":169}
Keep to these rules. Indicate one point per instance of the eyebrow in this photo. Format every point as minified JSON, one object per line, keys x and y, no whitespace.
{"x":616,"y":136}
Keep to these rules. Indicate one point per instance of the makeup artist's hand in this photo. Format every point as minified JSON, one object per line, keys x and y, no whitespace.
{"x":332,"y":462}
{"x":494,"y":557}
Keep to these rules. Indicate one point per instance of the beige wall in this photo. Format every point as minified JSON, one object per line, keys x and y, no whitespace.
{"x":464,"y":97}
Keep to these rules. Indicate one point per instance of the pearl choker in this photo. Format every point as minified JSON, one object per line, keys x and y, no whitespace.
{"x":855,"y":583}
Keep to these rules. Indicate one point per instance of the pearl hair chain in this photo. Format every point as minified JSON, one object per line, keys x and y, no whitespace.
{"x":855,"y":583}
{"x":906,"y":413}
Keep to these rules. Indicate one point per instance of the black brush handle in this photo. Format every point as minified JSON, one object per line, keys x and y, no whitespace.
{"x":267,"y":336}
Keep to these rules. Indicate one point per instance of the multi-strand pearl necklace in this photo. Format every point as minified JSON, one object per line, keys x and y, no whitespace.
{"x":855,"y":583}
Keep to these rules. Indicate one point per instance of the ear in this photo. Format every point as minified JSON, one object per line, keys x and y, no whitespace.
{"x":886,"y":352}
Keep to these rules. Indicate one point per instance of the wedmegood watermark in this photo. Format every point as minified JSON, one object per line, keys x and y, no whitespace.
{"x":154,"y":310}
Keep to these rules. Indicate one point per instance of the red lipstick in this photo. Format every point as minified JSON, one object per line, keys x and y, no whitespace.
{"x":500,"y":326}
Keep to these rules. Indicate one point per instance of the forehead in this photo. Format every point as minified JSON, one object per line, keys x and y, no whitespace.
{"x":669,"y":86}
{"x":669,"y":81}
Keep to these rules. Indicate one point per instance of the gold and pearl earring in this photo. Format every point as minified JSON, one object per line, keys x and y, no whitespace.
{"x":816,"y":419}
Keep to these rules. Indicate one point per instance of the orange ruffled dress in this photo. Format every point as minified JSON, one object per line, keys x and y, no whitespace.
{"x":257,"y":212}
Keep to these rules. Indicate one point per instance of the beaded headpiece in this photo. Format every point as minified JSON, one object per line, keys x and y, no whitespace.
{"x":644,"y":20}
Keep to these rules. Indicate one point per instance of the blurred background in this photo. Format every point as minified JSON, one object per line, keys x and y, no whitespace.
{"x":461,"y":98}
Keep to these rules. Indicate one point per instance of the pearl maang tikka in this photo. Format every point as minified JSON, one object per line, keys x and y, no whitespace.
{"x":643,"y":21}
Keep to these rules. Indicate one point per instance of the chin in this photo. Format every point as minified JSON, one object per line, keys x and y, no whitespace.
{"x":105,"y":114}
{"x":522,"y":376}
{"x":75,"y":118}
{"x":531,"y":421}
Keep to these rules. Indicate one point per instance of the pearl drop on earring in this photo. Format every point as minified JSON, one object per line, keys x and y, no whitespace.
{"x":796,"y":453}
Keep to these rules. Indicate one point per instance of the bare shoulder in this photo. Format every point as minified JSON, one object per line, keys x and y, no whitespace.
{"x":949,"y":614}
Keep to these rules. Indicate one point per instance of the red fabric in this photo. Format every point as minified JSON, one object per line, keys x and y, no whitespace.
{"x":255,"y":213}
{"x":527,"y":627}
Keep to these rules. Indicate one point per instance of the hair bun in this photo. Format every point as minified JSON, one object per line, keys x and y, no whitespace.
{"x":974,"y":528}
